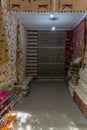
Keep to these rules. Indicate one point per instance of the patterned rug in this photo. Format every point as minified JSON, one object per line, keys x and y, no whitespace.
{"x":48,"y":5}
{"x":4,"y":57}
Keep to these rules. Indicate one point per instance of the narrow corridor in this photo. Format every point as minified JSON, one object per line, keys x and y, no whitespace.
{"x":49,"y":106}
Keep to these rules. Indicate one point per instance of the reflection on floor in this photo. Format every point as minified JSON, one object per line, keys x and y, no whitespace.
{"x":49,"y":107}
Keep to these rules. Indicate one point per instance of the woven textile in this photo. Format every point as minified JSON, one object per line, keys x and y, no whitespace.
{"x":8,"y":71}
{"x":82,"y":95}
{"x":21,"y":53}
{"x":81,"y":89}
{"x":48,"y":5}
{"x":4,"y":57}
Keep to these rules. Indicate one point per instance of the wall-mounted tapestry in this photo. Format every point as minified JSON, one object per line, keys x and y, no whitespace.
{"x":21,"y":52}
{"x":4,"y":57}
{"x":47,"y":5}
{"x":8,"y":70}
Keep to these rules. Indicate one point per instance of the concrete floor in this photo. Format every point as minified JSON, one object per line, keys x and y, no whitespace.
{"x":49,"y":106}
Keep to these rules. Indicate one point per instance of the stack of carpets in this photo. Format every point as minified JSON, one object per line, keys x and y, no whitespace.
{"x":24,"y":86}
{"x":8,"y":122}
{"x":73,"y":83}
{"x":4,"y":102}
{"x":9,"y":100}
{"x":80,"y":93}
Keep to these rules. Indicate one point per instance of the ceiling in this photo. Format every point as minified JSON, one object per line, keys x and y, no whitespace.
{"x":42,"y":21}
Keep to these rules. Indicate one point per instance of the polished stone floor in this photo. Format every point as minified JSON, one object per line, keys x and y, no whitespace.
{"x":49,"y":106}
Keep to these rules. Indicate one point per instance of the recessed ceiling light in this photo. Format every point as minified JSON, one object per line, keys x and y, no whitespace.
{"x":53,"y":28}
{"x":51,"y":16}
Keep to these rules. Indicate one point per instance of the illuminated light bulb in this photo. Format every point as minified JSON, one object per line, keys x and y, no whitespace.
{"x":51,"y":15}
{"x":53,"y":28}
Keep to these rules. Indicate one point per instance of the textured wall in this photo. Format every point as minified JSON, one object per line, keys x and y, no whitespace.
{"x":78,"y":40}
{"x":51,"y":53}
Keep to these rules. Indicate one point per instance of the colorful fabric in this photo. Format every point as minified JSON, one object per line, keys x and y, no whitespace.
{"x":5,"y":104}
{"x":8,"y":71}
{"x":81,"y":89}
{"x":82,"y":95}
{"x":4,"y":57}
{"x":9,"y":120}
{"x":21,"y":53}
{"x":3,"y":95}
{"x":78,"y":40}
{"x":47,"y":5}
{"x":85,"y":55}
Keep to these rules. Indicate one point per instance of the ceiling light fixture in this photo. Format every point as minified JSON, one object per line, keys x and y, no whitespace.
{"x":53,"y":28}
{"x":51,"y":16}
